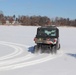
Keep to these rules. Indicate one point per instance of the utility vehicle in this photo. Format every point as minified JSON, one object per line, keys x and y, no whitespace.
{"x":47,"y":38}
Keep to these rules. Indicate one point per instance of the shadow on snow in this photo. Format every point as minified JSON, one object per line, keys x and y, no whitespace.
{"x":31,"y":49}
{"x":71,"y":54}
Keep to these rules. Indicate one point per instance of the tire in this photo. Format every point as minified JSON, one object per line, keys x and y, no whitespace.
{"x":54,"y":50}
{"x":35,"y":49}
{"x":51,"y":50}
{"x":59,"y":47}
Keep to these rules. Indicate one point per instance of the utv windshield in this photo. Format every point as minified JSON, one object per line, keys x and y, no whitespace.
{"x":47,"y":33}
{"x":50,"y":32}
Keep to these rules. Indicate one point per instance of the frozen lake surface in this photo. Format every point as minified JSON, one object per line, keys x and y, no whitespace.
{"x":15,"y":58}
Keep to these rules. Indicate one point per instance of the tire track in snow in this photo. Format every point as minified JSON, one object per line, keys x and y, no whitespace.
{"x":30,"y":63}
{"x":17,"y":51}
{"x":16,"y":60}
{"x":20,"y":62}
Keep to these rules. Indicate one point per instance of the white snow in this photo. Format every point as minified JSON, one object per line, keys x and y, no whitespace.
{"x":15,"y":58}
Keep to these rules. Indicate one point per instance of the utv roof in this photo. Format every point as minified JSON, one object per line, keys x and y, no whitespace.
{"x":48,"y":28}
{"x":51,"y":26}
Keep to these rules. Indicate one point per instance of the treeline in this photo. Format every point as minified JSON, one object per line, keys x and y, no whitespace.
{"x":25,"y":20}
{"x":35,"y":20}
{"x":63,"y":22}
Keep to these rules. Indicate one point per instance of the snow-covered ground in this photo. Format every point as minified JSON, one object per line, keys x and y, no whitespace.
{"x":15,"y":58}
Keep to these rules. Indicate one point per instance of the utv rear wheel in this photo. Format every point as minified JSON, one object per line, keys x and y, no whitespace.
{"x":54,"y":50}
{"x":59,"y":47}
{"x":35,"y":49}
